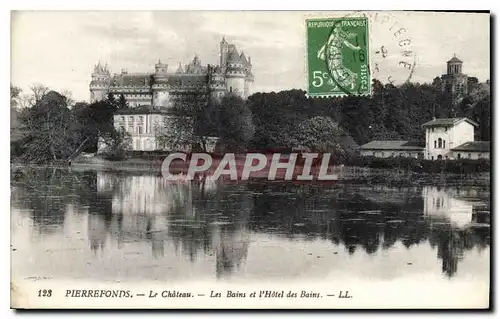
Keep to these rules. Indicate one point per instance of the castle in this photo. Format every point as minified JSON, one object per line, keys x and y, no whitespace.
{"x":151,"y":97}
{"x":158,"y":90}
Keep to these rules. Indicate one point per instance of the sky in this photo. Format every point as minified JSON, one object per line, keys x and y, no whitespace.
{"x":60,"y":48}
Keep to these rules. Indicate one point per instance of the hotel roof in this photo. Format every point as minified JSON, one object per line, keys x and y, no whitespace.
{"x":475,"y":146}
{"x":448,"y":122}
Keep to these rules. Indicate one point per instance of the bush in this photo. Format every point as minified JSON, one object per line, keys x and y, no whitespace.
{"x":462,"y":166}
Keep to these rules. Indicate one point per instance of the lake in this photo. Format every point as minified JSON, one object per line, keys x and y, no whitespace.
{"x":125,"y":227}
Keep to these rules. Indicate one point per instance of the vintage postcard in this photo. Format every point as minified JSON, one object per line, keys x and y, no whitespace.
{"x":250,"y":160}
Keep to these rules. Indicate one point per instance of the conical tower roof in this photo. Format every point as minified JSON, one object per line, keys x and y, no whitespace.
{"x":243,"y":58}
{"x":454,"y":60}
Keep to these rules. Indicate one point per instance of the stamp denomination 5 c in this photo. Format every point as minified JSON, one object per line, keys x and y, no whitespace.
{"x":338,"y":56}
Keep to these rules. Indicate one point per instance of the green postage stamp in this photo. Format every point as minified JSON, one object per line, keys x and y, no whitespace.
{"x":338,"y":57}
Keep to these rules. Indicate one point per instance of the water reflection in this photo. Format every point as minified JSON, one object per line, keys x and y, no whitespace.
{"x":211,"y":221}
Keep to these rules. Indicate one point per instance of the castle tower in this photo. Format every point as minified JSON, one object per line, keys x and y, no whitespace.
{"x":235,"y":73}
{"x":223,"y":54}
{"x":216,"y":82}
{"x":99,"y":84}
{"x":454,"y":81}
{"x":160,"y":89}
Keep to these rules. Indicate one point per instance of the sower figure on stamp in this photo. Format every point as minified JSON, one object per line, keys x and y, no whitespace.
{"x":332,"y":52}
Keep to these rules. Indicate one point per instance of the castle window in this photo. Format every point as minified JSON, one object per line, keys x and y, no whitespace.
{"x":230,"y":89}
{"x":468,"y":155}
{"x":459,"y":156}
{"x":435,"y":144}
{"x":444,"y":144}
{"x":440,"y":143}
{"x":432,"y":129}
{"x":445,"y":129}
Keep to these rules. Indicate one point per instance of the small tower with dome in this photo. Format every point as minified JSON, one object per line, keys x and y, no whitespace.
{"x":454,"y":81}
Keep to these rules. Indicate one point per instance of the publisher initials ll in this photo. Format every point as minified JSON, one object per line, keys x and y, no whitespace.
{"x":344,"y":294}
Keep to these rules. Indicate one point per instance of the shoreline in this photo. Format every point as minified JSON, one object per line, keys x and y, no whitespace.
{"x":394,"y":176}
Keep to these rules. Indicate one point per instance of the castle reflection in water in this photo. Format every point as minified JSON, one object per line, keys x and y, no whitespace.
{"x":212,"y":219}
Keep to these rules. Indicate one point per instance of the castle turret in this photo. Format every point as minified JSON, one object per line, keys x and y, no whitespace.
{"x":248,"y":75}
{"x":235,"y":73}
{"x":223,"y":54}
{"x":99,"y":84}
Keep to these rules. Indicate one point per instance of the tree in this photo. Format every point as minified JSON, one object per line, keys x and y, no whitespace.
{"x":323,"y":135}
{"x":94,"y":121}
{"x":14,"y":113}
{"x":116,"y":145}
{"x":69,"y":97}
{"x":193,"y":121}
{"x":110,"y":98}
{"x":15,"y":93}
{"x":121,"y":103}
{"x":38,"y":91}
{"x":235,"y":127}
{"x":276,"y":117}
{"x":46,"y":130}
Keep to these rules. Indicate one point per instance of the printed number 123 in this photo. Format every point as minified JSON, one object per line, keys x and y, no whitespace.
{"x":45,"y":293}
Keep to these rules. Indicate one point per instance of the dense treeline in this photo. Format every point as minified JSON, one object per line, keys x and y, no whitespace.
{"x":52,"y":128}
{"x":390,"y":113}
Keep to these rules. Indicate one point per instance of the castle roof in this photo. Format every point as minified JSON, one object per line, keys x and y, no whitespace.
{"x":131,"y":79}
{"x":474,"y":146}
{"x":448,"y":122}
{"x":454,"y":60}
{"x":233,"y":56}
{"x":181,"y":80}
{"x":243,"y":58}
{"x":98,"y":68}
